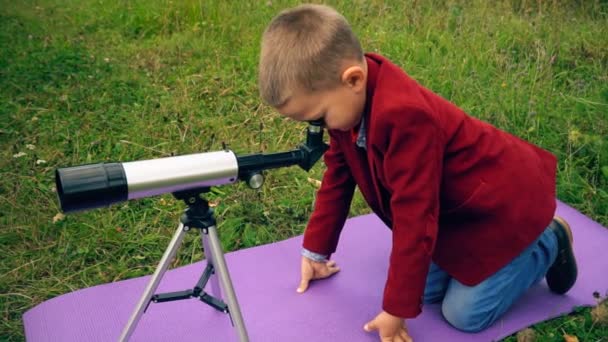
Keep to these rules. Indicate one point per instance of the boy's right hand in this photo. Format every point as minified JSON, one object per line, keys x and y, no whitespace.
{"x":312,"y":270}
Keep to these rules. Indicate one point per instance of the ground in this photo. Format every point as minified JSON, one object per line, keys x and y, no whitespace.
{"x":92,"y":81}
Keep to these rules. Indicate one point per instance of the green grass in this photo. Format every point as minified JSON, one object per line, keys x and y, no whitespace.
{"x":92,"y":81}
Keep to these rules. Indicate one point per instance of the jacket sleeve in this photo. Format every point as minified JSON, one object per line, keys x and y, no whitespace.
{"x":332,"y":202}
{"x":412,"y":166}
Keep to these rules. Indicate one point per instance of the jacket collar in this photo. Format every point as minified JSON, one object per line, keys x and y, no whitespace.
{"x":373,"y":68}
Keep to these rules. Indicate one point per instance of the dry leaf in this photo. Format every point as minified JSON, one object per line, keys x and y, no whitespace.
{"x":599,"y":314}
{"x":526,"y":335}
{"x":58,"y":217}
{"x":314,"y":182}
{"x":570,"y":338}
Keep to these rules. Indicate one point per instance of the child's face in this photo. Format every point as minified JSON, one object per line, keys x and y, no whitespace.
{"x":340,"y":108}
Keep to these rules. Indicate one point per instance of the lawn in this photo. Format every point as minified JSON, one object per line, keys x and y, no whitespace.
{"x":93,"y":81}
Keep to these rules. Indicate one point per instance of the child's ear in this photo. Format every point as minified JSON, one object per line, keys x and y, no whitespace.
{"x":354,"y":77}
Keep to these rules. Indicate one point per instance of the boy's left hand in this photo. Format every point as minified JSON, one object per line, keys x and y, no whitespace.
{"x":390,"y":328}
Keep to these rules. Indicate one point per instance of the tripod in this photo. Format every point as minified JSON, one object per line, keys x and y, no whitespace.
{"x":198,"y":215}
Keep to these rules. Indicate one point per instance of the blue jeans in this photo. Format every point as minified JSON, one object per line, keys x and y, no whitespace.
{"x":475,"y":308}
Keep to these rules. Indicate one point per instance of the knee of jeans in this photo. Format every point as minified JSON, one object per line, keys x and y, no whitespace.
{"x":465,"y":318}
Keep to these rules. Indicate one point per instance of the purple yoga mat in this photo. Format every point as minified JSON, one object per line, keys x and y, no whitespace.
{"x":265,"y":280}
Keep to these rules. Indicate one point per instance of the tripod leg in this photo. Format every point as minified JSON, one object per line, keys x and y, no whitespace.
{"x":222,"y":272}
{"x":215,"y":287}
{"x":176,"y":241}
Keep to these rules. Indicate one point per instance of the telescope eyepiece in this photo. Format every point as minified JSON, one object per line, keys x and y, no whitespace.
{"x":317,"y":123}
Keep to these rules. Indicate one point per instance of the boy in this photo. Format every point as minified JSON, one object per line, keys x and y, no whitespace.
{"x":470,"y":207}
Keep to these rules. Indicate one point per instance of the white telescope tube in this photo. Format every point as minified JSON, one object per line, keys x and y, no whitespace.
{"x":147,"y":178}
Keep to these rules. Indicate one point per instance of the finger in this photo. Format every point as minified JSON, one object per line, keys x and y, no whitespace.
{"x":333,"y":266}
{"x":389,"y":336}
{"x":332,"y":270}
{"x":306,"y":275}
{"x":398,"y":338}
{"x":304,"y":280}
{"x":325,"y":272}
{"x":303,"y":284}
{"x":370,"y":326}
{"x":404,"y":335}
{"x":331,"y":263}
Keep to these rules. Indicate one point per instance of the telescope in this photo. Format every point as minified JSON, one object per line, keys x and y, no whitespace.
{"x":187,"y":177}
{"x":98,"y":185}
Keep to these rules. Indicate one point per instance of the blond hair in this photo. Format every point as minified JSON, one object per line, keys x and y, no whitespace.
{"x":304,"y":48}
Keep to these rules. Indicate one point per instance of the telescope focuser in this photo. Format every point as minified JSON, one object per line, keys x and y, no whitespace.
{"x":305,"y":156}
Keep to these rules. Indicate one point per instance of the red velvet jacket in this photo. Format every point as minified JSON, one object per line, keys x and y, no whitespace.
{"x":452,"y":188}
